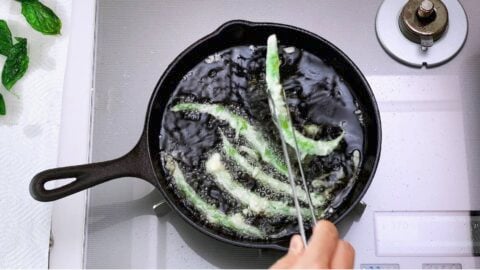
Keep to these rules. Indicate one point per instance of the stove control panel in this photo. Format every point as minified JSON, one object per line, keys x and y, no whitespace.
{"x":425,"y":234}
{"x":380,"y":266}
{"x":442,"y":266}
{"x":424,"y":266}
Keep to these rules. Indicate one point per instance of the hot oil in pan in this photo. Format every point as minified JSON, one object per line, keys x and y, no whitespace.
{"x":319,"y":100}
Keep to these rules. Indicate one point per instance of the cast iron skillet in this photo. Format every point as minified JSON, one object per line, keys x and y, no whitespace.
{"x":143,"y":161}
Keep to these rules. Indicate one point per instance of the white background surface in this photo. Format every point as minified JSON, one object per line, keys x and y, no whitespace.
{"x":69,"y":214}
{"x":29,"y":138}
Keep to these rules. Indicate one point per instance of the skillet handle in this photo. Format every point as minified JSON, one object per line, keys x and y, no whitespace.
{"x":136,"y":164}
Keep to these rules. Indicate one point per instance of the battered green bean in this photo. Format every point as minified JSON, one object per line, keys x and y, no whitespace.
{"x":242,"y":127}
{"x":253,"y":201}
{"x":213,"y":215}
{"x":306,"y":146}
{"x":265,"y":179}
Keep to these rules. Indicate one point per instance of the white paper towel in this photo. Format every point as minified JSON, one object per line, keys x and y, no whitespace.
{"x":29,"y":138}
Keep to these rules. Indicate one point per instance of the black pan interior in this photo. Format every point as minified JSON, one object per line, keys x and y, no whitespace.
{"x":238,"y":33}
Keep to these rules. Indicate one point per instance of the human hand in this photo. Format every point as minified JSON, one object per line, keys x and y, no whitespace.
{"x":324,"y":250}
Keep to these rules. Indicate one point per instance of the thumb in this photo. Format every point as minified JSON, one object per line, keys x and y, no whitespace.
{"x":296,"y":245}
{"x":294,"y":252}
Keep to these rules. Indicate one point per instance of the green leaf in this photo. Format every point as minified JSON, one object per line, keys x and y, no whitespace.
{"x":16,"y":64}
{"x":3,"y":109}
{"x":41,"y":17}
{"x":5,"y":38}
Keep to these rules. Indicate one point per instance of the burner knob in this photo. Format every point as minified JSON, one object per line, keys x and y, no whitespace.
{"x":423,"y":21}
{"x":426,"y":9}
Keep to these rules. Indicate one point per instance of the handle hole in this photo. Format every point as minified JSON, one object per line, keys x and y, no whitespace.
{"x":54,"y":184}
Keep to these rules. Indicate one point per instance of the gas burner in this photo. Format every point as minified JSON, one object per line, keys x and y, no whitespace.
{"x":422,"y":32}
{"x":424,"y":21}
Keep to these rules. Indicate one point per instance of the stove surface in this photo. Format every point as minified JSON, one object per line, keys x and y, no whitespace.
{"x":419,"y":205}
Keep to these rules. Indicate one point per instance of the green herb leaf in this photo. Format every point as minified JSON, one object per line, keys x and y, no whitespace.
{"x":5,"y":38}
{"x":41,"y":17}
{"x":3,"y":109}
{"x":16,"y":64}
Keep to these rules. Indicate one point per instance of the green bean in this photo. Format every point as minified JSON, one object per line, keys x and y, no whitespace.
{"x":242,"y":127}
{"x":234,"y":222}
{"x":267,"y":180}
{"x":306,"y":145}
{"x":253,"y":201}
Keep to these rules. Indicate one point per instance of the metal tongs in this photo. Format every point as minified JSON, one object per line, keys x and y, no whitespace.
{"x":291,"y":175}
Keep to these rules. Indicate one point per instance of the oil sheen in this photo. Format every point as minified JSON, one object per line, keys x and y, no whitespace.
{"x":321,"y":105}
